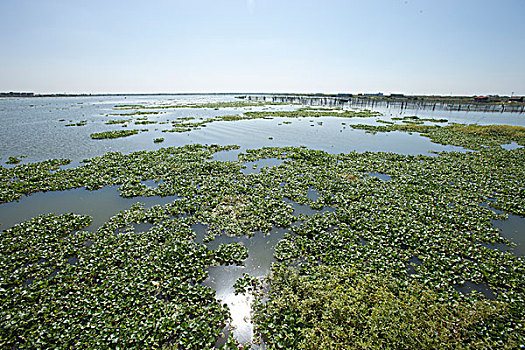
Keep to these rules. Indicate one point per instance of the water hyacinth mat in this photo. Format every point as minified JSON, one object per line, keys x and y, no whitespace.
{"x":405,"y":260}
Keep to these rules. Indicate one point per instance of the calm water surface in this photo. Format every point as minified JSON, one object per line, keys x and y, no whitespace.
{"x":36,"y":128}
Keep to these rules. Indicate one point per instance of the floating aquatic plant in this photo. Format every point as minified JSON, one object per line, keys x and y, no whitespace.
{"x":228,"y":254}
{"x":113,"y":134}
{"x":335,"y":266}
{"x":13,"y":160}
{"x":135,"y":113}
{"x":144,"y":122}
{"x":182,"y":124}
{"x":470,"y":136}
{"x":246,"y":284}
{"x":80,"y":123}
{"x":49,"y":302}
{"x":117,"y":121}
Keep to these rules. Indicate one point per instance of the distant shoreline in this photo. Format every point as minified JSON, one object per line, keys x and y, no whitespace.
{"x":516,"y":103}
{"x":342,"y":95}
{"x":3,"y":94}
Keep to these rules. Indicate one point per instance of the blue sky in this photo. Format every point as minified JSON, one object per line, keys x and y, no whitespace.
{"x":415,"y":46}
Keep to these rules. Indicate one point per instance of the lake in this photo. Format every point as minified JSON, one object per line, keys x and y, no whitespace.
{"x":36,"y":128}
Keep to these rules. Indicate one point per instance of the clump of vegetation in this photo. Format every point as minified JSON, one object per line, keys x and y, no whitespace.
{"x":229,"y":118}
{"x":336,"y":308}
{"x":246,"y":284}
{"x":475,"y":137}
{"x":306,"y":113}
{"x":513,"y":132}
{"x":124,"y":106}
{"x":117,"y":121}
{"x":133,"y":290}
{"x":108,"y":170}
{"x":301,"y":113}
{"x":419,"y":120}
{"x":178,"y":129}
{"x":186,"y":118}
{"x":13,"y":160}
{"x":113,"y":134}
{"x":228,"y":254}
{"x":158,"y":140}
{"x":383,"y":253}
{"x":182,"y":124}
{"x":135,"y":113}
{"x":144,"y":122}
{"x":80,"y":123}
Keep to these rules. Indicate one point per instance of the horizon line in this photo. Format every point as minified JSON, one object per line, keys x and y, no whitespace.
{"x":44,"y":94}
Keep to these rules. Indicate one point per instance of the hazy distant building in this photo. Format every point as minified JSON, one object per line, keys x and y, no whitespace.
{"x":481,"y":98}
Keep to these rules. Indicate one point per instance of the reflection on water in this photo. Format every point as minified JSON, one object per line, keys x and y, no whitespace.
{"x":227,"y":156}
{"x":100,"y":205}
{"x":260,"y":257}
{"x":306,"y":210}
{"x":513,"y":229}
{"x":313,"y":194}
{"x":221,"y":278}
{"x":412,"y":263}
{"x":511,"y":146}
{"x":382,"y":177}
{"x":468,"y":287}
